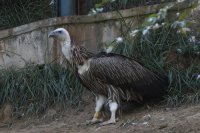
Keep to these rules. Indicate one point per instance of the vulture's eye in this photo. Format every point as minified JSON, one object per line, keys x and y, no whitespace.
{"x":60,"y":32}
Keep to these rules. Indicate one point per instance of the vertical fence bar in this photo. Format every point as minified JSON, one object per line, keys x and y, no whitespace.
{"x":67,"y":7}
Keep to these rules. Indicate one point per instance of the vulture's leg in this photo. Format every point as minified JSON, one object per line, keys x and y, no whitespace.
{"x":113,"y":108}
{"x":100,"y":101}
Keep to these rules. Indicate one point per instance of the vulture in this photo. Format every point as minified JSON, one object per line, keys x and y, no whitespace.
{"x":112,"y":78}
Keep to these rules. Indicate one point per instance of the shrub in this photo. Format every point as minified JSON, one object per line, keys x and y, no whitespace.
{"x":114,"y":5}
{"x":19,"y":12}
{"x":165,"y":46}
{"x":33,"y":89}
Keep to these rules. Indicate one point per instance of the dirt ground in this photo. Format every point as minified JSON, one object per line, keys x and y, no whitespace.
{"x":153,"y":119}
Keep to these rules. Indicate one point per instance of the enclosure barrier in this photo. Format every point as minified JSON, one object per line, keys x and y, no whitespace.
{"x":29,"y":44}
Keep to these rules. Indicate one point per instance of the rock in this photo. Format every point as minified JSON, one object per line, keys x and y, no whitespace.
{"x":162,"y":119}
{"x":5,"y":115}
{"x":163,"y":126}
{"x":196,"y":116}
{"x":193,"y":118}
{"x":146,"y":124}
{"x":50,"y":114}
{"x":168,"y":109}
{"x":146,"y":117}
{"x":133,"y":123}
{"x":193,"y":122}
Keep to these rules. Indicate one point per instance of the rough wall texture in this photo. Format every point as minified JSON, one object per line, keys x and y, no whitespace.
{"x":29,"y":44}
{"x":23,"y":49}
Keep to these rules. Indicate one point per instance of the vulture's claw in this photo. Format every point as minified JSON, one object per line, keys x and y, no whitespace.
{"x":108,"y":122}
{"x":93,"y":121}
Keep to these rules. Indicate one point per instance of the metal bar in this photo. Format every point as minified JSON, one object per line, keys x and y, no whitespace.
{"x":67,"y":7}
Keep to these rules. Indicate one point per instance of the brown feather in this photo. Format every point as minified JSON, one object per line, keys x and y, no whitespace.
{"x":118,"y":77}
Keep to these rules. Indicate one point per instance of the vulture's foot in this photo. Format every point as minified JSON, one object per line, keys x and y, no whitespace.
{"x":111,"y":121}
{"x":113,"y":108}
{"x":94,"y":121}
{"x":97,"y":118}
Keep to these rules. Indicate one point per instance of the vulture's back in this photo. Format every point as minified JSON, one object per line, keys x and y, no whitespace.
{"x":125,"y":73}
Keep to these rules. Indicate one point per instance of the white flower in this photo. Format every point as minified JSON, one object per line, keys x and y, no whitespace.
{"x":185,"y":30}
{"x":169,"y":6}
{"x":177,"y":14}
{"x":109,"y":49}
{"x":112,"y":1}
{"x":51,"y":3}
{"x":179,"y":50}
{"x":178,"y":32}
{"x":163,"y":24}
{"x":192,"y":39}
{"x":178,"y":24}
{"x":152,"y":20}
{"x":99,"y":9}
{"x":198,"y":76}
{"x":163,"y":10}
{"x":180,"y":1}
{"x":92,"y":12}
{"x":162,"y":13}
{"x":156,"y":26}
{"x":119,"y":40}
{"x":134,"y":32}
{"x":146,"y":30}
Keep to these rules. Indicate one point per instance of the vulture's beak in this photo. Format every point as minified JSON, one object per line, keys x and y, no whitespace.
{"x":52,"y":34}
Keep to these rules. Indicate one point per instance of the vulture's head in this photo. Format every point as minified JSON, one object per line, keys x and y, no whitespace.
{"x":61,"y":35}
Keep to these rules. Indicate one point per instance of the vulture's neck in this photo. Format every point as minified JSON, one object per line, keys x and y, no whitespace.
{"x":76,"y":55}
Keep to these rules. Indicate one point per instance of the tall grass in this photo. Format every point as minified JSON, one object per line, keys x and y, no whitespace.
{"x":33,"y":89}
{"x":114,"y":5}
{"x":19,"y":12}
{"x":165,"y":49}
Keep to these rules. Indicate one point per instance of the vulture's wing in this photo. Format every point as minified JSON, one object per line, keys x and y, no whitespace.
{"x":124,"y":72}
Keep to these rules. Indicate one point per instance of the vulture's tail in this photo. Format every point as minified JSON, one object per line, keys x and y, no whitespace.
{"x":155,"y":89}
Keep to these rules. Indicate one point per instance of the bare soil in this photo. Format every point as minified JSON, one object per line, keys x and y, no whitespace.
{"x":153,"y":119}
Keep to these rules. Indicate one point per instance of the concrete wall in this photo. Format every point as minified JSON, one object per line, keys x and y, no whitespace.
{"x":29,"y":44}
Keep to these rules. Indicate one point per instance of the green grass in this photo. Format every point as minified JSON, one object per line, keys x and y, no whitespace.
{"x":167,"y":50}
{"x":122,"y":4}
{"x":19,"y":12}
{"x":184,"y":89}
{"x":152,"y":50}
{"x":15,"y":13}
{"x":33,"y":89}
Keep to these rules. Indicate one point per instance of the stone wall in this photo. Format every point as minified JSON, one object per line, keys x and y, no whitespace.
{"x":29,"y":44}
